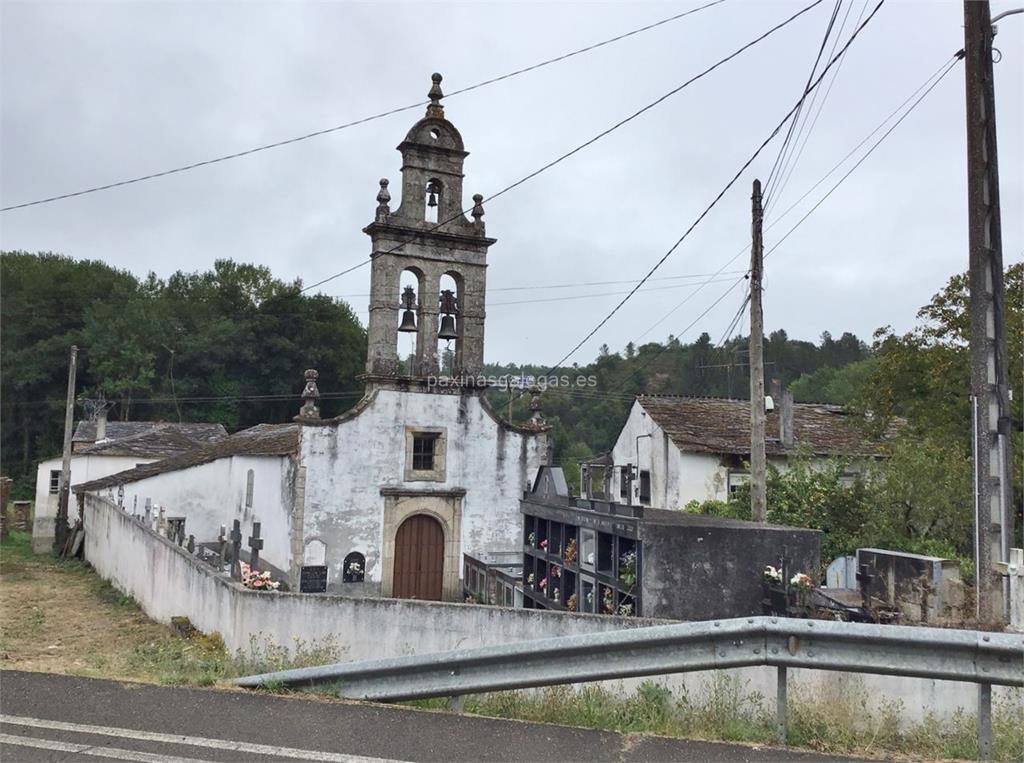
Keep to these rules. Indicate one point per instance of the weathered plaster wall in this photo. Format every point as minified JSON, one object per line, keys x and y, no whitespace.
{"x":349,"y":463}
{"x":167,"y":581}
{"x":214,"y":494}
{"x":713,"y":568}
{"x":83,"y":468}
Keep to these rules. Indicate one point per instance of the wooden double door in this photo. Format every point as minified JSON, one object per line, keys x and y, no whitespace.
{"x":419,"y":559}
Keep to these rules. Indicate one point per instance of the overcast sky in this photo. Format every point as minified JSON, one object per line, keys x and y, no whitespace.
{"x":97,"y":92}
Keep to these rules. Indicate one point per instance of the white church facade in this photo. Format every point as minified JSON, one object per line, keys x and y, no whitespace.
{"x":390,"y":494}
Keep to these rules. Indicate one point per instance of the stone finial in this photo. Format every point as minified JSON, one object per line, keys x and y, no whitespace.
{"x":478,"y":213}
{"x":435,"y":109}
{"x":383,"y":199}
{"x":536,"y":405}
{"x":310,"y":396}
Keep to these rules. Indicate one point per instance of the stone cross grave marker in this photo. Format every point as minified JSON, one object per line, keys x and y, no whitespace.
{"x":256,"y":545}
{"x":222,"y":545}
{"x":236,"y":550}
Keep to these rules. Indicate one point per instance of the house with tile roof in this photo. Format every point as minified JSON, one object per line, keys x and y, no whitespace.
{"x":100,"y":448}
{"x":673,"y":449}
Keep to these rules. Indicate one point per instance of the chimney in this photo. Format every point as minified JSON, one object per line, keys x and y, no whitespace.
{"x":101,"y":425}
{"x":786,"y":419}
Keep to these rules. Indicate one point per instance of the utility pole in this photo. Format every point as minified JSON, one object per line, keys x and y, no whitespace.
{"x":758,"y":490}
{"x":60,"y":533}
{"x":989,"y":387}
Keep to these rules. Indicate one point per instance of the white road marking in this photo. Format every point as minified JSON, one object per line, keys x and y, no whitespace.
{"x":97,"y":752}
{"x":215,"y":744}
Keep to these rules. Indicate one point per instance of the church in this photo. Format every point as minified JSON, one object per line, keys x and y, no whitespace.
{"x":387,"y":497}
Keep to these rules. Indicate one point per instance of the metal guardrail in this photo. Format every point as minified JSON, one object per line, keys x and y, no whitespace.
{"x":954,"y":655}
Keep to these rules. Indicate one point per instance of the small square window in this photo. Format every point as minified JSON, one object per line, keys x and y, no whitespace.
{"x":423,"y":451}
{"x":54,"y":481}
{"x":425,"y":454}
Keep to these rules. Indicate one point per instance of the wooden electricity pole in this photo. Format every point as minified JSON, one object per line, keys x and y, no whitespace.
{"x":60,"y":530}
{"x":758,"y":490}
{"x":990,"y":402}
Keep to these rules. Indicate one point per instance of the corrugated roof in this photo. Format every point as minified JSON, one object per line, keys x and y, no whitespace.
{"x":716,"y":425}
{"x":261,"y":440}
{"x":119,"y":430}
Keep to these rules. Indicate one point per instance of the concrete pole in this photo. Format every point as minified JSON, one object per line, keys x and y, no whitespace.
{"x":61,"y":527}
{"x":758,"y":489}
{"x":988,"y":352}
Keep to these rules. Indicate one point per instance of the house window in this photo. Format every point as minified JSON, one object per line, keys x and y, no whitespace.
{"x":250,"y":479}
{"x":645,"y":486}
{"x":625,"y":478}
{"x":425,"y":454}
{"x":738,"y":480}
{"x":423,"y":451}
{"x":54,"y":481}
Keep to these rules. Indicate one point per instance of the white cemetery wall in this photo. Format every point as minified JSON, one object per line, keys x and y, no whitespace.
{"x":349,"y":462}
{"x":83,"y":469}
{"x":216,"y":493}
{"x":167,"y":582}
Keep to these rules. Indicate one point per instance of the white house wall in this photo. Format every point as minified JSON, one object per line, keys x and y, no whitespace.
{"x":347,"y":464}
{"x":677,"y":477}
{"x":83,"y":469}
{"x":213,"y":494}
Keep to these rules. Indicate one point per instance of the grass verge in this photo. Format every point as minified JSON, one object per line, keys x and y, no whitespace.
{"x":847,"y":722}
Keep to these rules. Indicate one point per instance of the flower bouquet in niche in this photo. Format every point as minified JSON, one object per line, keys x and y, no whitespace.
{"x":570,"y":551}
{"x":570,"y":603}
{"x":627,"y":568}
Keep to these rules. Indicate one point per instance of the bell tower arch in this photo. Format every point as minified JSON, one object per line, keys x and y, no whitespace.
{"x":428,"y":234}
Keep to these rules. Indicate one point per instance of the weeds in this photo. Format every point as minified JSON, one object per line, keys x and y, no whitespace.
{"x":839,"y":720}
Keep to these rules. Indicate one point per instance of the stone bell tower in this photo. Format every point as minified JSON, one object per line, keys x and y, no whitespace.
{"x":430,"y":237}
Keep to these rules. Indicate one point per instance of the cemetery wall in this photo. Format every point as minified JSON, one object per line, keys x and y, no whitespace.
{"x":167,"y":582}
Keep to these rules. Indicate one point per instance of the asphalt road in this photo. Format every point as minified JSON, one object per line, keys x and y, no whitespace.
{"x":47,"y":717}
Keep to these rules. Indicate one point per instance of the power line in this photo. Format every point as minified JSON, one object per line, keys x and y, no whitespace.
{"x":943,"y":71}
{"x":364,"y":120}
{"x":591,"y":141}
{"x":722,"y":193}
{"x":821,"y":105}
{"x":780,"y":159}
{"x":794,"y":205}
{"x":948,"y":69}
{"x":257,"y":313}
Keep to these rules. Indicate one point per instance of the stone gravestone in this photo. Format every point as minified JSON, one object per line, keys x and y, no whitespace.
{"x":313,"y":578}
{"x":236,"y":550}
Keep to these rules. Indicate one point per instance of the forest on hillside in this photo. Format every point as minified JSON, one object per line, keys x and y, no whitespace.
{"x":229,"y":345}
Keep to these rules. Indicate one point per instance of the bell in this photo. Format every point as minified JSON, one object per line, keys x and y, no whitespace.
{"x":408,"y":321}
{"x":447,"y":328}
{"x":432,"y":199}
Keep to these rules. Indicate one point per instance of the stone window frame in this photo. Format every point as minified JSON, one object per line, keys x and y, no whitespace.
{"x":438,"y":473}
